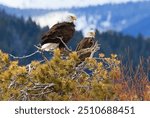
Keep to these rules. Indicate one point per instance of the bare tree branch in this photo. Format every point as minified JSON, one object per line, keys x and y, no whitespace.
{"x":91,"y":50}
{"x":94,"y":49}
{"x":60,"y":38}
{"x":23,"y":57}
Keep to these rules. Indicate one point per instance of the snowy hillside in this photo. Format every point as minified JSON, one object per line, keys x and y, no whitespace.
{"x":118,"y":17}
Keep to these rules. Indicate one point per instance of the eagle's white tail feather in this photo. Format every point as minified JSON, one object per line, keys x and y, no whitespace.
{"x":49,"y":46}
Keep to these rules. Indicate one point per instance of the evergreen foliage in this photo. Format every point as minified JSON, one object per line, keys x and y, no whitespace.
{"x":61,"y":79}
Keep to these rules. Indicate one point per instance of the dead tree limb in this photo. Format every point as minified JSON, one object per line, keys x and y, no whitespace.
{"x":23,"y":57}
{"x":60,"y":38}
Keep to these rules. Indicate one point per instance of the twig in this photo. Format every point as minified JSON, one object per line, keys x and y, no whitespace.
{"x":24,"y":95}
{"x":13,"y":82}
{"x":27,"y":56}
{"x":39,"y":94}
{"x":60,"y":38}
{"x":30,"y":67}
{"x":94,"y":48}
{"x":42,"y":86}
{"x":79,"y":70}
{"x":41,"y":52}
{"x":23,"y":57}
{"x":38,"y":48}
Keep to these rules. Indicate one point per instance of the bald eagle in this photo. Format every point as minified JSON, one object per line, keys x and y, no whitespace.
{"x":63,"y":30}
{"x":83,"y":48}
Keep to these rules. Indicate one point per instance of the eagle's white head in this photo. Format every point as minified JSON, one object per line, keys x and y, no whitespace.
{"x":90,"y":34}
{"x":71,"y":18}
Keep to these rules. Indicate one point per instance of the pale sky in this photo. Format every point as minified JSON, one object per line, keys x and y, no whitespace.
{"x":55,"y":4}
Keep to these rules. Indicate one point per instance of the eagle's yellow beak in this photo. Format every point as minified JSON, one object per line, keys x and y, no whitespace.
{"x":74,"y":18}
{"x":92,"y":34}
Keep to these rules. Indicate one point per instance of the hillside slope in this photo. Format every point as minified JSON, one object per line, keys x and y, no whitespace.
{"x":18,"y":37}
{"x":118,"y":17}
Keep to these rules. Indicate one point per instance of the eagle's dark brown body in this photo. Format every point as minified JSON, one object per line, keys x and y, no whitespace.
{"x":85,"y":43}
{"x":64,"y":30}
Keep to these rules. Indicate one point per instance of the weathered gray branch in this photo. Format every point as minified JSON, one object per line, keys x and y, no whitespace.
{"x":23,"y":57}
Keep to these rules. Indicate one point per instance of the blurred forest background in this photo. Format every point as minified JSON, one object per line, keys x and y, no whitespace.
{"x":18,"y":37}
